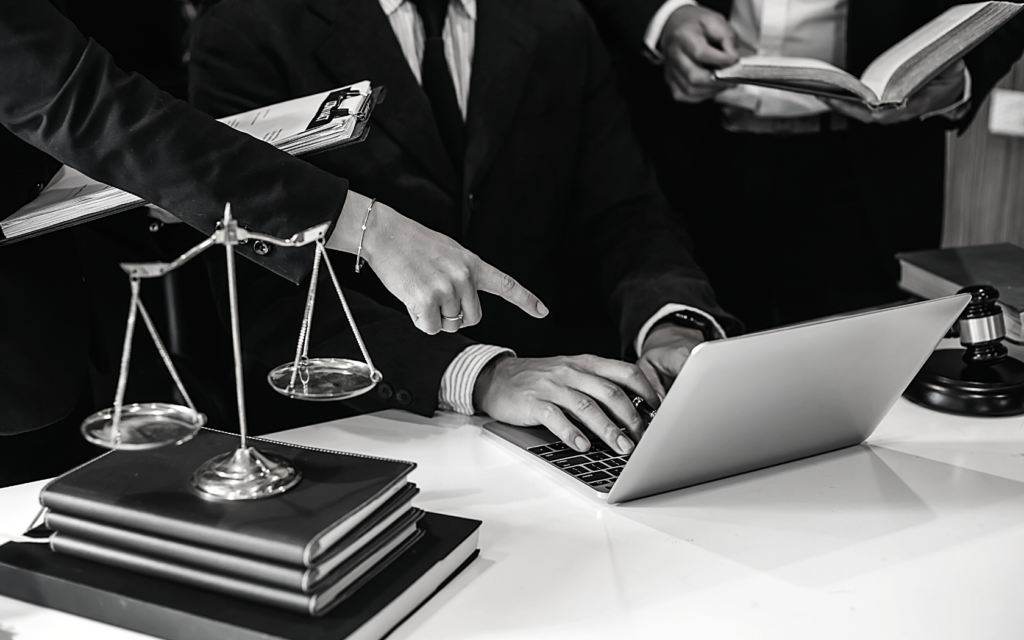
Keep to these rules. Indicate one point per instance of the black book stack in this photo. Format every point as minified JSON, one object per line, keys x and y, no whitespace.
{"x":132,"y":519}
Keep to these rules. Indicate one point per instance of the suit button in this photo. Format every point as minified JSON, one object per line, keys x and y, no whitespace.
{"x":384,"y":390}
{"x":472,"y":203}
{"x":404,"y":397}
{"x":261,"y":248}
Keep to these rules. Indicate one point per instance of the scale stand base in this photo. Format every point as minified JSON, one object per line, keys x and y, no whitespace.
{"x":946,"y":383}
{"x":245,"y":474}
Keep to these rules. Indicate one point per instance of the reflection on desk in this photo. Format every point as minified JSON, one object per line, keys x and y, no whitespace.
{"x":915,"y":535}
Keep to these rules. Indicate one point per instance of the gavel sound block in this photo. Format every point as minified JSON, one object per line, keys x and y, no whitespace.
{"x":981,"y":379}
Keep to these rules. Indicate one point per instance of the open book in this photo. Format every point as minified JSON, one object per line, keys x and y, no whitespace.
{"x":301,"y":126}
{"x":893,"y":76}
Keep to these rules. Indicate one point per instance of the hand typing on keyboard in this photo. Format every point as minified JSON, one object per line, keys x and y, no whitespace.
{"x":595,"y":392}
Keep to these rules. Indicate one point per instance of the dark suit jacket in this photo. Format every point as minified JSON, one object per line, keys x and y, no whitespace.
{"x":555,"y":191}
{"x":902,"y":165}
{"x":61,"y":94}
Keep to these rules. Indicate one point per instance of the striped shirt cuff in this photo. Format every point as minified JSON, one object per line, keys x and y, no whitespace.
{"x":456,"y":392}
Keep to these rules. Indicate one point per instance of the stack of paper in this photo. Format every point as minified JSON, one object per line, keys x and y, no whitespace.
{"x":304,"y":125}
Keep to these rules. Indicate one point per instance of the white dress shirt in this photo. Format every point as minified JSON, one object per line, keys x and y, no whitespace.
{"x":792,"y":28}
{"x":459,"y":36}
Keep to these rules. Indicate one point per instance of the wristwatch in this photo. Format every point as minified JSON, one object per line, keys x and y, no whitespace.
{"x":692,"y":320}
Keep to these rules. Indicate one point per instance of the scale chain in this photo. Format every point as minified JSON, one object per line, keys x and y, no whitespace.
{"x":126,"y":356}
{"x":166,"y":357}
{"x":374,"y":374}
{"x":302,"y":348}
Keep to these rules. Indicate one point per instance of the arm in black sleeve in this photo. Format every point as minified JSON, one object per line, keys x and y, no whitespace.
{"x":627,"y":19}
{"x":646,"y":257}
{"x":62,"y":94}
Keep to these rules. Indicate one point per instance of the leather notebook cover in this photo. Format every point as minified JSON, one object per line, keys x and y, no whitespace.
{"x":341,"y":584}
{"x":290,"y":577}
{"x":33,"y":573}
{"x":150,"y":491}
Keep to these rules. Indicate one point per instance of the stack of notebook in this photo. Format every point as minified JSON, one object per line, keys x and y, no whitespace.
{"x":317,"y":122}
{"x":142,"y":533}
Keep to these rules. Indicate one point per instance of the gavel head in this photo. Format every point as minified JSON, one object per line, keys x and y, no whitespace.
{"x":981,"y":327}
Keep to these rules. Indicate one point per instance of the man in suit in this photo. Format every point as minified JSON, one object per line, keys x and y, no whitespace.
{"x":797,"y":207}
{"x":62,"y":100}
{"x":503,"y":126}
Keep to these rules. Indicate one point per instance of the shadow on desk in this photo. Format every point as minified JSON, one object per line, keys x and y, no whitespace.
{"x":879,"y":505}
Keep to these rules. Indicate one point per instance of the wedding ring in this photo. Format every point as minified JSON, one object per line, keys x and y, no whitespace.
{"x":457,"y":318}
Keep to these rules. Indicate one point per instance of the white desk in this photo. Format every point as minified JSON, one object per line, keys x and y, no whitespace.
{"x":920,"y":535}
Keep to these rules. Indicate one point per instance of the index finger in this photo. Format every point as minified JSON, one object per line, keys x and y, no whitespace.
{"x":501,"y":284}
{"x":698,"y":46}
{"x":721,"y":33}
{"x":627,"y":376}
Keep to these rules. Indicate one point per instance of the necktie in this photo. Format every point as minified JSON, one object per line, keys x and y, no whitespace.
{"x":437,"y":79}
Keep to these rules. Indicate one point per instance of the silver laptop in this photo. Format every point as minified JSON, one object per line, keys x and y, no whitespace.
{"x":754,"y":401}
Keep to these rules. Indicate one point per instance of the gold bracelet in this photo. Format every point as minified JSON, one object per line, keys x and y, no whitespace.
{"x":362,"y":234}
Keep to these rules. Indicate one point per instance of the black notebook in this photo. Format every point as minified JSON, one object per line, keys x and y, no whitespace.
{"x":33,"y":573}
{"x":338,"y":585}
{"x":150,"y":491}
{"x":298,"y":578}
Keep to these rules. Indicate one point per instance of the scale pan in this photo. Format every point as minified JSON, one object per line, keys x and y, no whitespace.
{"x":325,"y":379}
{"x":143,"y":426}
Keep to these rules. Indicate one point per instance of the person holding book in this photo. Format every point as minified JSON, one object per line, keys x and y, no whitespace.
{"x":63,"y":101}
{"x":503,"y":124}
{"x":797,"y":204}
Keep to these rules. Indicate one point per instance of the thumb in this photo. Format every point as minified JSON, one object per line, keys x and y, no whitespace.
{"x":501,"y":284}
{"x":720,"y":33}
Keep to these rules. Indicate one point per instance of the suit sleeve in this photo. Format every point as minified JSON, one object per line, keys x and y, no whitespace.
{"x":233,"y":68}
{"x":628,"y":19}
{"x":62,"y":94}
{"x":647,"y":259}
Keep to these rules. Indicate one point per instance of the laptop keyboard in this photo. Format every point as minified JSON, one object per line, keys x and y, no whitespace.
{"x":598,"y":467}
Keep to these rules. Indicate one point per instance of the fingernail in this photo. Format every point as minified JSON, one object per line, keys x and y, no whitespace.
{"x":581,"y":444}
{"x":625,"y":446}
{"x":542,"y":309}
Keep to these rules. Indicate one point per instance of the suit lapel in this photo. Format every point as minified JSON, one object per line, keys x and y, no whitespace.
{"x":501,"y":66}
{"x":360,"y":44}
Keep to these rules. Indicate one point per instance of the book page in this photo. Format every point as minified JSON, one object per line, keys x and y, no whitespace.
{"x":66,"y":186}
{"x":805,"y":75}
{"x":880,"y":73}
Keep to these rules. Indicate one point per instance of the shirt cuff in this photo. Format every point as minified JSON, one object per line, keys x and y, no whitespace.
{"x":668,"y":310}
{"x":958,"y":109}
{"x":657,"y":25}
{"x":456,"y":392}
